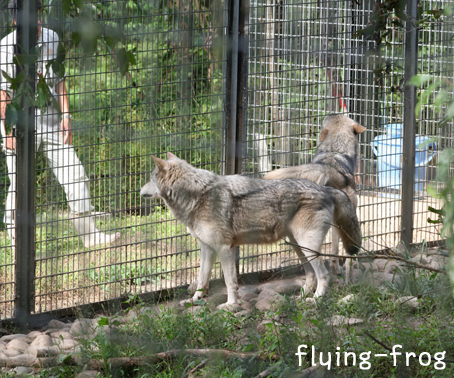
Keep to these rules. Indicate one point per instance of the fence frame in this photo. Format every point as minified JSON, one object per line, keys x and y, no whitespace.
{"x":235,"y":98}
{"x":409,"y":121}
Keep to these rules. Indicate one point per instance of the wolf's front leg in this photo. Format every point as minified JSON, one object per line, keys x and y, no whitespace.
{"x":207,"y":259}
{"x":227,"y":259}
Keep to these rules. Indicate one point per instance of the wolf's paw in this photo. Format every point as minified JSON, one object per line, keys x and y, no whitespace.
{"x":230,"y":307}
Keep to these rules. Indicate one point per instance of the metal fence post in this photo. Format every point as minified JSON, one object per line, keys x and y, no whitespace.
{"x":236,"y":93}
{"x":409,"y":134}
{"x":25,"y":169}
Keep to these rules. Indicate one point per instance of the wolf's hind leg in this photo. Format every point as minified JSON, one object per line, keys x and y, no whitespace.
{"x":227,"y":259}
{"x":311,"y":240}
{"x":207,"y":259}
{"x":309,"y":285}
{"x":335,"y":251}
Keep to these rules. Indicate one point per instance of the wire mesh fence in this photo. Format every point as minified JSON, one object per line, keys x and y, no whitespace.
{"x":96,"y":239}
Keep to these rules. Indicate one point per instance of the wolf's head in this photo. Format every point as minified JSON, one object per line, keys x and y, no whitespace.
{"x":153,"y":189}
{"x":340,"y":134}
{"x":335,"y":124}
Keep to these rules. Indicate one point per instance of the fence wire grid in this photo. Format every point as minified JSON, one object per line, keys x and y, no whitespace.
{"x":302,"y":62}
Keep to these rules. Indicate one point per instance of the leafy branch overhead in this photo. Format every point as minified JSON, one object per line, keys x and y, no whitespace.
{"x":86,"y":33}
{"x":386,"y":18}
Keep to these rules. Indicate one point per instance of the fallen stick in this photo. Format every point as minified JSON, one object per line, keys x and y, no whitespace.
{"x":368,"y":256}
{"x":128,"y":361}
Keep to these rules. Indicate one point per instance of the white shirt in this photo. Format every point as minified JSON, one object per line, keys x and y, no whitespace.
{"x":48,"y":44}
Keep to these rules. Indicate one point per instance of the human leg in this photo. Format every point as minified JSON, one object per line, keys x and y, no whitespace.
{"x":71,"y":175}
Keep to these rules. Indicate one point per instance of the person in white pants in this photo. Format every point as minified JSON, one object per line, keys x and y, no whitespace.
{"x":53,"y":134}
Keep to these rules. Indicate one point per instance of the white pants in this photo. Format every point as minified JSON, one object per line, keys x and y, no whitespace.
{"x":64,"y":162}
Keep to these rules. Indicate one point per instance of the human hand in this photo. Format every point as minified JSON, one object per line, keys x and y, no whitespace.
{"x":65,"y":131}
{"x":10,"y":142}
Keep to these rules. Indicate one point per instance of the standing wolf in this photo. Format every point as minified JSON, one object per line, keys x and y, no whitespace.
{"x":225,"y":211}
{"x":334,"y":163}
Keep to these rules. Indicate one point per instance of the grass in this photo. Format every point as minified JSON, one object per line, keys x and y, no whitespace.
{"x":154,"y":252}
{"x":163,"y":327}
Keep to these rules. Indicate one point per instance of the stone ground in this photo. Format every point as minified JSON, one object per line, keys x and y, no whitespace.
{"x":23,"y":353}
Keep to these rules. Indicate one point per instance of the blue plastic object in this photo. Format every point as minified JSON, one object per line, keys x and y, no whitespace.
{"x":388,"y":149}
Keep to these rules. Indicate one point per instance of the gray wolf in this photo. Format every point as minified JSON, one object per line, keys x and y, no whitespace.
{"x":334,"y":163}
{"x":226,"y":211}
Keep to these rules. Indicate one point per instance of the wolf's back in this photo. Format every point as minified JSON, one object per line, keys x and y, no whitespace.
{"x":347,"y":222}
{"x":313,"y":172}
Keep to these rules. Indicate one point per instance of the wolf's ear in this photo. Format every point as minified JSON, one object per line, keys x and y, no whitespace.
{"x":160,"y":163}
{"x":323,"y":134}
{"x":358,"y":128}
{"x":171,"y":156}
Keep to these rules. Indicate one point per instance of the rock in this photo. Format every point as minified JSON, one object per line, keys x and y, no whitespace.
{"x":8,"y":338}
{"x":22,"y":370}
{"x":385,"y":279}
{"x":44,"y":351}
{"x":88,"y":374}
{"x":393,"y":267}
{"x":66,"y":344}
{"x":194,"y":310}
{"x":263,"y":304}
{"x":243,"y":314}
{"x":42,"y":340}
{"x":263,"y":326}
{"x":288,"y":289}
{"x":217,"y":299}
{"x":146,"y":310}
{"x":2,"y":347}
{"x":409,"y":302}
{"x":244,"y":290}
{"x":350,"y":298}
{"x":420,"y":259}
{"x":248,"y":297}
{"x":253,"y":301}
{"x":34,"y":334}
{"x":83,"y":327}
{"x":60,"y":334}
{"x":298,"y":282}
{"x":131,"y":316}
{"x":12,"y":353}
{"x":17,"y":344}
{"x":22,"y":360}
{"x":339,"y":320}
{"x":267,"y":293}
{"x":58,"y":324}
{"x":267,"y":285}
{"x":245,"y":305}
{"x":316,"y":371}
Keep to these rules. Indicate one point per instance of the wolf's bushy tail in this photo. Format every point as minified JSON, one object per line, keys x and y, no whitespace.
{"x":346,"y":221}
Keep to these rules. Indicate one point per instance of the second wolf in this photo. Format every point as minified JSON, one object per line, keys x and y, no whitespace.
{"x":225,"y":211}
{"x":334,"y":163}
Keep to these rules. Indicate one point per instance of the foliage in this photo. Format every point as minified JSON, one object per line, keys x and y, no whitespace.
{"x":155,"y":328}
{"x":386,"y":18}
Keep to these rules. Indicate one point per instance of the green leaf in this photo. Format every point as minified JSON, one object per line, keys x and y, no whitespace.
{"x":79,"y":3}
{"x":66,"y":6}
{"x":11,"y":116}
{"x":419,"y":80}
{"x":122,"y":61}
{"x":103,"y":321}
{"x":437,"y":211}
{"x":65,"y":359}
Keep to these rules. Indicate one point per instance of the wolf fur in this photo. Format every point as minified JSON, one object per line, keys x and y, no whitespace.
{"x":226,"y":211}
{"x":334,"y":163}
